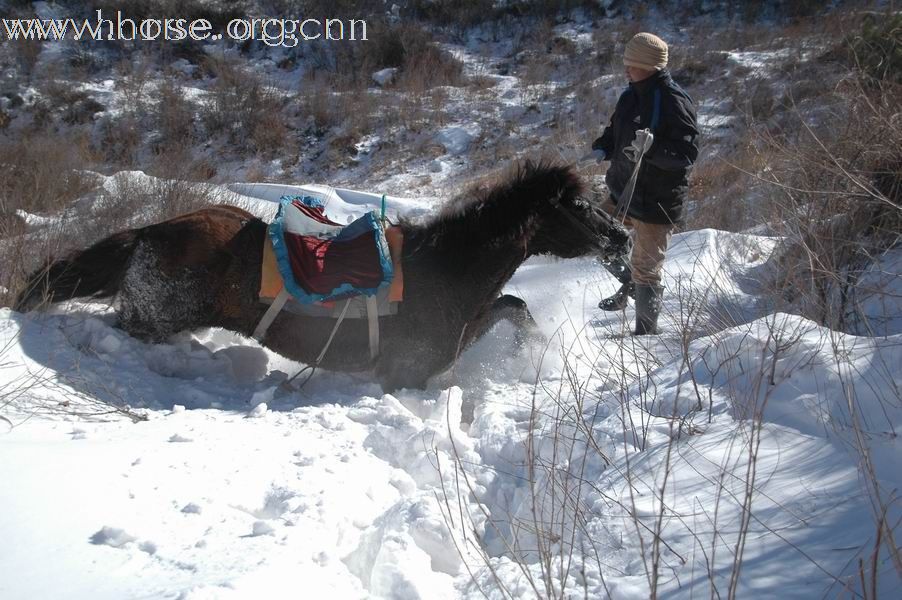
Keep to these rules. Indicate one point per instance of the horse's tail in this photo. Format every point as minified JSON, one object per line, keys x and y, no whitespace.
{"x":94,"y":272}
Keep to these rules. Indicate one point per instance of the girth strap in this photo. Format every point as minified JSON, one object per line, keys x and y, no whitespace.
{"x":372,"y":317}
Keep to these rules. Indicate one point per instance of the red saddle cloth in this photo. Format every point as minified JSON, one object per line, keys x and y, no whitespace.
{"x":318,"y":260}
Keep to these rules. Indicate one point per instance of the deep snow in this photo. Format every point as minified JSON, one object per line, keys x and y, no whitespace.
{"x":548,"y":459}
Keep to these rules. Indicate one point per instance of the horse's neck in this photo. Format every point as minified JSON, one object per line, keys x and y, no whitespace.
{"x":472,"y":254}
{"x":473,"y":277}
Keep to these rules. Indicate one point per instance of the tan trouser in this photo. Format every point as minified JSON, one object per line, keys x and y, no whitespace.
{"x":650,"y":241}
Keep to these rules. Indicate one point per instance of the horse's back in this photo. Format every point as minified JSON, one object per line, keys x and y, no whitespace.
{"x":199,"y":237}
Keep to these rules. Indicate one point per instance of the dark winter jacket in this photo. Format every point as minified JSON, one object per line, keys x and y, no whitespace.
{"x":663,"y":177}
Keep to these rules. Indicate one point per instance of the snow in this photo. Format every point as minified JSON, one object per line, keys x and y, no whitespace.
{"x":456,"y":139}
{"x":757,"y":61}
{"x":384,"y":77}
{"x":258,"y":411}
{"x":502,"y":472}
{"x":878,"y":295}
{"x":342,"y":205}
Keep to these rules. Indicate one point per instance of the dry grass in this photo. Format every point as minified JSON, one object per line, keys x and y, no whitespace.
{"x":42,"y":176}
{"x":244,"y":110}
{"x":840,"y":202}
{"x":719,"y":190}
{"x":38,"y":176}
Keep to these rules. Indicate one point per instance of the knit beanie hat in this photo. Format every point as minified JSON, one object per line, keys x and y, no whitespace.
{"x":646,"y":51}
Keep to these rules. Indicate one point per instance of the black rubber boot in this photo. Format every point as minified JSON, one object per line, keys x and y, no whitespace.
{"x":619,"y":300}
{"x":648,"y":307}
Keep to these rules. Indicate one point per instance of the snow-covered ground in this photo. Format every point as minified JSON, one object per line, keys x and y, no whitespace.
{"x":586,"y":462}
{"x":743,"y":449}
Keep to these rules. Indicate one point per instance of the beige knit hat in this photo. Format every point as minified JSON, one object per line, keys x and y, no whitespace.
{"x":646,"y":51}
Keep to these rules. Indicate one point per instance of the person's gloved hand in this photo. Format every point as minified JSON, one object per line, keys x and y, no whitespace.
{"x":597,"y":155}
{"x":640,"y":145}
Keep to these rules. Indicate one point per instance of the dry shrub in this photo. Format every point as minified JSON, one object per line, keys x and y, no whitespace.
{"x":408,"y":47}
{"x":120,"y":140}
{"x":319,"y":102}
{"x":466,"y":13}
{"x":179,"y":163}
{"x":461,"y":13}
{"x":694,"y":64}
{"x":174,"y":116}
{"x":841,"y":201}
{"x":352,"y":110}
{"x":719,"y":191}
{"x":39,"y":176}
{"x":136,"y":202}
{"x":133,"y":81}
{"x":876,"y":49}
{"x":27,"y":53}
{"x":428,"y":66}
{"x":755,"y":98}
{"x":411,"y":49}
{"x":219,"y":13}
{"x":244,"y":110}
{"x":807,"y":81}
{"x":61,"y":101}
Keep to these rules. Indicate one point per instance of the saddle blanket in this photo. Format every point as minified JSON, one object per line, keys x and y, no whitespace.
{"x":319,"y":261}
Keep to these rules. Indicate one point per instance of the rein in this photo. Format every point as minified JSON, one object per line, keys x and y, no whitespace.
{"x":576,"y":222}
{"x":286,"y":385}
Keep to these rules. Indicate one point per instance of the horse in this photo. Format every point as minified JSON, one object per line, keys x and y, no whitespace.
{"x":203,"y":269}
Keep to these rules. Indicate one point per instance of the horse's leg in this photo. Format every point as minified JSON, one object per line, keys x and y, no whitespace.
{"x":515,"y":310}
{"x":417,"y":358}
{"x":408,"y":365}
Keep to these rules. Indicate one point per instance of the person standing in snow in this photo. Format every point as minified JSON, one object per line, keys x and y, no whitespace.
{"x":654,"y":102}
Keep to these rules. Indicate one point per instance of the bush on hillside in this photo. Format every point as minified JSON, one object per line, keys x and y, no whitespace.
{"x":877,"y":49}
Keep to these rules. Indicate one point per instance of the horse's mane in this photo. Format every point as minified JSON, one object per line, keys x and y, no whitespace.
{"x":500,"y":213}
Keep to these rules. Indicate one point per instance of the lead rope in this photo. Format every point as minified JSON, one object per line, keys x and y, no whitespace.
{"x":645,"y":138}
{"x":286,"y":385}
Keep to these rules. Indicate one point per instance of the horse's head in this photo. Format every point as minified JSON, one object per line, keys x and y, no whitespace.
{"x":569,"y":224}
{"x":538,"y":207}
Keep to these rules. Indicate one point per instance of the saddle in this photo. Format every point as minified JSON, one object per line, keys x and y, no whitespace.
{"x":315,"y":267}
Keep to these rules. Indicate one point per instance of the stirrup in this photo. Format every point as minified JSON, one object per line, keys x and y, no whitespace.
{"x":619,"y":299}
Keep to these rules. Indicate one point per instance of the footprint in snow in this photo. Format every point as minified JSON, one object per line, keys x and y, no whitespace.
{"x":112,"y":536}
{"x":191,"y":509}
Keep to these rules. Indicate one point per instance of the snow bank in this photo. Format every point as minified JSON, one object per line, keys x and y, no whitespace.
{"x":521,"y":467}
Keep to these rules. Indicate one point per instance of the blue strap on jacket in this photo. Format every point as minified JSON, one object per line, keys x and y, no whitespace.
{"x":656,"y":110}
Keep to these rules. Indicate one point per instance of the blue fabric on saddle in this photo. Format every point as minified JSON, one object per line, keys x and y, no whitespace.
{"x":320,"y":260}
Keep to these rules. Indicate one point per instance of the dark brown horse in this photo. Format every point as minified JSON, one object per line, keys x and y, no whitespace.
{"x":203,"y":270}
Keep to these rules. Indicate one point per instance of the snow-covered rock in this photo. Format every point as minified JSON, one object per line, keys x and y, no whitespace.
{"x":456,"y":139}
{"x":385,"y":77}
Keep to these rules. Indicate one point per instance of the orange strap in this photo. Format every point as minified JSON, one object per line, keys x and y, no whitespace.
{"x":395,"y":238}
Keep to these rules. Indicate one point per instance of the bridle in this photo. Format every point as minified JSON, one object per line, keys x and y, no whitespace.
{"x":567,"y":212}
